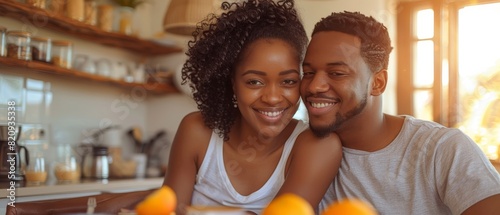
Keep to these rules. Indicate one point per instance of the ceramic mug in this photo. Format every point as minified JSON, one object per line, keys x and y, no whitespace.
{"x":104,"y":67}
{"x":84,"y":63}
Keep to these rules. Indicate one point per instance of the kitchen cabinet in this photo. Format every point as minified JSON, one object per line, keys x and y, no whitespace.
{"x":59,"y":23}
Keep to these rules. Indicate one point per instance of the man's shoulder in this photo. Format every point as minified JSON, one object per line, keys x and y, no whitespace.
{"x":426,"y":127}
{"x":432,"y":135}
{"x":411,"y":120}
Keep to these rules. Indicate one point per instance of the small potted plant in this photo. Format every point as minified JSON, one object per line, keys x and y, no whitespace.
{"x":127,"y":8}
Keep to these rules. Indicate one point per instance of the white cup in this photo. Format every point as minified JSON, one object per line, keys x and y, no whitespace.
{"x":141,"y":161}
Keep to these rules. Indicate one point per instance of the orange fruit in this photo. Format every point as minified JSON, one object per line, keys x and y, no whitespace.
{"x":288,"y":204}
{"x":350,"y":207}
{"x":161,"y":201}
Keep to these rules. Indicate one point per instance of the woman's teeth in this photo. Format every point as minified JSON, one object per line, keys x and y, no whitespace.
{"x":271,"y":114}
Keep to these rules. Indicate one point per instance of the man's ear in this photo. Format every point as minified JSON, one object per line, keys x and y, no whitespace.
{"x":379,"y":82}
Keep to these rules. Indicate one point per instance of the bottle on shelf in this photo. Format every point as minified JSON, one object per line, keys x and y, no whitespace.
{"x":3,"y":48}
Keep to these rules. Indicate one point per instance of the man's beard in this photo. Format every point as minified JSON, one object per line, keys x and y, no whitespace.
{"x":339,"y":120}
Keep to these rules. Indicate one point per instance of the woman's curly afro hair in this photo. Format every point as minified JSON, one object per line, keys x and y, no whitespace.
{"x":218,"y":45}
{"x":375,"y":40}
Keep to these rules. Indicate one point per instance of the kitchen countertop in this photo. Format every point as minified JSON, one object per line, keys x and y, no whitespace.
{"x":87,"y":186}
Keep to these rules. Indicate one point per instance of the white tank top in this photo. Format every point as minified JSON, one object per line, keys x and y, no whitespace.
{"x":213,"y":186}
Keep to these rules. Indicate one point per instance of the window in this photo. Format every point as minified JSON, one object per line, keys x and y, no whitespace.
{"x":449,"y":66}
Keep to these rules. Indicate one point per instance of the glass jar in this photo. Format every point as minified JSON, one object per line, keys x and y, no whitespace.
{"x":75,"y":9}
{"x":62,"y":53}
{"x":3,"y":49}
{"x":18,"y":45}
{"x":35,"y":172}
{"x":90,"y":12}
{"x":40,"y":49}
{"x":67,"y":165}
{"x":126,"y":20}
{"x":37,"y":3}
{"x":105,"y":17}
{"x":57,"y":7}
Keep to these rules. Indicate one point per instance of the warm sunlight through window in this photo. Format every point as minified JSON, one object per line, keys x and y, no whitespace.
{"x":449,"y":66}
{"x":423,"y":66}
{"x":479,"y":75}
{"x":425,"y":24}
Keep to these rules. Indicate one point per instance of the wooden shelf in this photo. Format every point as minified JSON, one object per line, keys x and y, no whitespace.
{"x":45,"y":19}
{"x":35,"y":66}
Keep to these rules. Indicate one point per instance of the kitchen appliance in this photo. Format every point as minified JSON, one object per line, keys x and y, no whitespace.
{"x":10,"y":154}
{"x":96,"y":163}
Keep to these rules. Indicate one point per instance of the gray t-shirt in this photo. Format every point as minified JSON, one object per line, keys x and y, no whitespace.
{"x":427,"y":169}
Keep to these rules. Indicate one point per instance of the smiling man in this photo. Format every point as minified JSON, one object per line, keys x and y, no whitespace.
{"x":400,"y":164}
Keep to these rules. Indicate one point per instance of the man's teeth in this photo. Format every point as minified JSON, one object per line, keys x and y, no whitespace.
{"x":320,"y":105}
{"x":271,"y":114}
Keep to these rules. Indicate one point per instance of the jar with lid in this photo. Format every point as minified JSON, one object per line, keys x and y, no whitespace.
{"x":3,"y":49}
{"x":96,"y":164}
{"x":62,"y":53}
{"x":18,"y":45}
{"x":40,"y":49}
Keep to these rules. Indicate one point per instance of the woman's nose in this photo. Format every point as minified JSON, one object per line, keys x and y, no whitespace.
{"x":272,"y":94}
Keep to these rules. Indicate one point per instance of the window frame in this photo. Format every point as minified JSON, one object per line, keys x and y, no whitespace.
{"x":445,"y":109}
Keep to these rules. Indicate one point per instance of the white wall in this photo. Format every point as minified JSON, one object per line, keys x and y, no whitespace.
{"x":77,"y":105}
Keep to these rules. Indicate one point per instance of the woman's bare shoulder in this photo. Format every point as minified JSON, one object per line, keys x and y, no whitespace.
{"x":193,"y":131}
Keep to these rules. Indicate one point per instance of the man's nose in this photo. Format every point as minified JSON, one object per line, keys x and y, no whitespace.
{"x":318,"y":83}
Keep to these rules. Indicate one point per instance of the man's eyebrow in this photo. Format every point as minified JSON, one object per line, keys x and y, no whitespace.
{"x":336,"y":63}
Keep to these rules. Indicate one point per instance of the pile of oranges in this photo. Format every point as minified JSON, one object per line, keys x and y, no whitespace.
{"x":163,"y":201}
{"x":350,"y":207}
{"x":291,"y":204}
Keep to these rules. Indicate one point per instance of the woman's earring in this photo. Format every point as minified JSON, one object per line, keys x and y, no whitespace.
{"x":235,"y":102}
